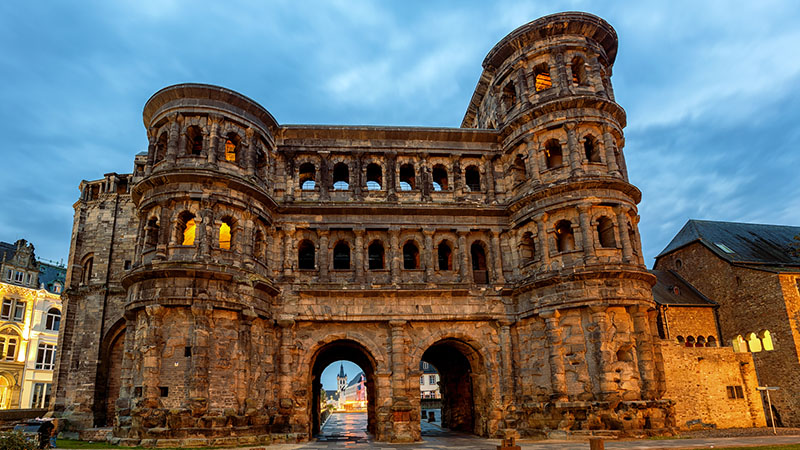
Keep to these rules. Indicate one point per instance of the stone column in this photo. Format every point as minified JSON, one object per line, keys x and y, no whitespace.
{"x":532,"y":161}
{"x":358,"y":255}
{"x":286,"y":324}
{"x":611,"y":157}
{"x":213,"y":141}
{"x":324,"y":176}
{"x":401,"y":407}
{"x":151,"y":150}
{"x":598,"y":335}
{"x":204,"y":232}
{"x":394,"y":254}
{"x":575,"y":154}
{"x":175,"y":125}
{"x":165,"y":231}
{"x":323,"y":258}
{"x":497,"y":259}
{"x":644,"y":351}
{"x":151,"y":354}
{"x":464,"y":271}
{"x":561,"y":79}
{"x":357,"y":183}
{"x":558,"y":380}
{"x":288,"y":245}
{"x":587,"y":237}
{"x":514,"y":238}
{"x":429,"y":251}
{"x":391,"y":175}
{"x":201,"y":341}
{"x":506,"y":355}
{"x":489,"y":167}
{"x":458,"y":177}
{"x":244,"y":358}
{"x":249,"y":152}
{"x":622,"y":225}
{"x":544,"y":248}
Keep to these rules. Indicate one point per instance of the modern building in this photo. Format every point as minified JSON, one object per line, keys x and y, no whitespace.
{"x":30,"y":319}
{"x":243,"y":256}
{"x":751,"y":272}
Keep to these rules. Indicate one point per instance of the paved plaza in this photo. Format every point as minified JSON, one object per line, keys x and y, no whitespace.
{"x":348,"y":430}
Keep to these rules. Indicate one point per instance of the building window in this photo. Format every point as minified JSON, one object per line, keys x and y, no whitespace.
{"x":18,"y":277}
{"x":439,"y":178}
{"x":194,"y":141}
{"x":578,"y":67}
{"x":479,"y":272}
{"x":226,"y":233}
{"x":375,"y":255}
{"x":13,"y":310}
{"x":53,"y":319}
{"x":374,"y":177}
{"x":10,"y":275}
{"x":527,"y":249}
{"x":565,"y":239}
{"x":186,"y":228}
{"x":410,"y":256}
{"x":231,"y":147}
{"x":341,"y":256}
{"x":472,"y":178}
{"x":541,"y":77}
{"x":41,"y":395}
{"x":9,"y":339}
{"x":341,"y":177}
{"x":735,"y":392}
{"x":605,"y":233}
{"x":46,"y":357}
{"x":305,"y":255}
{"x":307,"y":176}
{"x":591,"y":149}
{"x":431,"y":379}
{"x":553,"y":154}
{"x":509,"y":97}
{"x":161,"y":148}
{"x":407,"y":182}
{"x":445,"y":256}
{"x":422,"y":380}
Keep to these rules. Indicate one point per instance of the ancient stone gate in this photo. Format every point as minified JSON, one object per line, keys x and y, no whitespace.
{"x":210,"y":287}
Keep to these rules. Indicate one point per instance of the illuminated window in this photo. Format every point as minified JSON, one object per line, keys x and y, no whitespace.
{"x":753,"y":343}
{"x":541,"y":76}
{"x":46,"y":357}
{"x":766,"y":340}
{"x":739,"y":344}
{"x":374,"y":177}
{"x":9,"y":339}
{"x":53,"y":319}
{"x":375,"y":255}
{"x":225,"y":233}
{"x":445,"y":255}
{"x":410,"y":256}
{"x":565,"y":239}
{"x":553,"y":153}
{"x":186,"y":228}
{"x":605,"y":233}
{"x":230,"y":150}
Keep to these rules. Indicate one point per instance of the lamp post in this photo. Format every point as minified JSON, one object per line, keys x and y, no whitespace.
{"x":769,"y":403}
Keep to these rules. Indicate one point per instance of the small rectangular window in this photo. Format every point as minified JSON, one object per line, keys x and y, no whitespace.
{"x":5,"y":313}
{"x":431,"y":379}
{"x":739,"y":392}
{"x":422,"y":379}
{"x":735,"y":392}
{"x":19,"y":311}
{"x":187,"y":352}
{"x":127,"y":265}
{"x":46,"y":357}
{"x":9,"y":274}
{"x":18,"y":276}
{"x":29,"y":279}
{"x":41,"y":395}
{"x":137,"y":391}
{"x":163,"y":391}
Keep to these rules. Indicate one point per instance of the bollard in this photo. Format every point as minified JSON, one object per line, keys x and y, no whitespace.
{"x":596,"y":443}
{"x":508,"y":444}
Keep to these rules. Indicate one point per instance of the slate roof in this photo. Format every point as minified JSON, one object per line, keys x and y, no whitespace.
{"x":7,"y":251}
{"x":665,"y":292}
{"x":773,"y":246}
{"x":49,"y":273}
{"x":355,"y":379}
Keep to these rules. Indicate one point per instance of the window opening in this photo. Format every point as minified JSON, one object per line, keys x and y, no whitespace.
{"x":591,"y":149}
{"x":375,"y":256}
{"x":509,"y":97}
{"x":407,"y":177}
{"x":527,"y":248}
{"x":518,"y":170}
{"x":231,"y":145}
{"x":226,"y":233}
{"x":565,"y":239}
{"x":305,"y":255}
{"x":341,"y":177}
{"x":479,"y":272}
{"x":307,"y":175}
{"x":46,"y":357}
{"x":766,"y":340}
{"x":578,"y":67}
{"x":41,"y":395}
{"x":410,"y":256}
{"x":541,"y":76}
{"x":9,"y":339}
{"x":753,"y":343}
{"x":341,"y":256}
{"x":553,"y":154}
{"x":151,"y":233}
{"x":445,"y":256}
{"x":186,"y":228}
{"x":259,"y":246}
{"x":161,"y":148}
{"x":194,"y":141}
{"x":53,"y":319}
{"x":472,"y":177}
{"x":374,"y":177}
{"x":87,"y":270}
{"x":439,"y":178}
{"x":605,"y":233}
{"x":711,"y":341}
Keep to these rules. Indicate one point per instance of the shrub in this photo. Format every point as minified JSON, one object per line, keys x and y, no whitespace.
{"x":14,"y":440}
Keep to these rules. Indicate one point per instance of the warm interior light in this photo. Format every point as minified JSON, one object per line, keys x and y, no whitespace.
{"x":543,"y":82}
{"x":188,"y":234}
{"x":230,"y":151}
{"x":225,"y":236}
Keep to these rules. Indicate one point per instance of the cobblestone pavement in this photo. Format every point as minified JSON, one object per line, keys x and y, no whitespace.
{"x":348,"y":430}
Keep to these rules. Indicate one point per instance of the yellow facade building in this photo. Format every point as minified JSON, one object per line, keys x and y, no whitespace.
{"x":30,"y":318}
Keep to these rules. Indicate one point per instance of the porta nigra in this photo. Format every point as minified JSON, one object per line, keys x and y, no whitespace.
{"x":209,"y":288}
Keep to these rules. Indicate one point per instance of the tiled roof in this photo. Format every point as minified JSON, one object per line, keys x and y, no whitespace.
{"x":752,"y":243}
{"x":671,"y":289}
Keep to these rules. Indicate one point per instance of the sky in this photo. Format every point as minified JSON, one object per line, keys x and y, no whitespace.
{"x":711,"y":90}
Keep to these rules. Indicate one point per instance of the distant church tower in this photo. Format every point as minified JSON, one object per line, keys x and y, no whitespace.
{"x":342,"y":378}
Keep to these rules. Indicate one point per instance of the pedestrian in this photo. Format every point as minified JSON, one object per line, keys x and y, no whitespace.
{"x":54,"y":434}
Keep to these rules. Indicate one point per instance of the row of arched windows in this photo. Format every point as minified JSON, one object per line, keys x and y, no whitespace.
{"x":307,"y":175}
{"x":753,"y":342}
{"x":186,"y":231}
{"x":700,"y":341}
{"x":542,"y":80}
{"x":565,"y":237}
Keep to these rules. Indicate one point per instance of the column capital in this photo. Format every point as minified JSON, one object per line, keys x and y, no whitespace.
{"x":285,"y":321}
{"x":550,"y":315}
{"x":397,"y":323}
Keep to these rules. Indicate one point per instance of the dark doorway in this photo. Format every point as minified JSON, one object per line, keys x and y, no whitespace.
{"x":454,"y":360}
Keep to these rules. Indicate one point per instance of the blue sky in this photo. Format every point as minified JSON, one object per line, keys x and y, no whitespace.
{"x":712,"y":90}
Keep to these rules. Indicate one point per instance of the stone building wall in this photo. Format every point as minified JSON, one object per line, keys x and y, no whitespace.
{"x":506,"y":253}
{"x":700,"y":381}
{"x":751,"y":301}
{"x":687,"y":323}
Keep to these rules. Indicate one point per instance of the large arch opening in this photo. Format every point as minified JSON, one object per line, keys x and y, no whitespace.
{"x":457,"y":366}
{"x":108,"y":381}
{"x":356,"y":392}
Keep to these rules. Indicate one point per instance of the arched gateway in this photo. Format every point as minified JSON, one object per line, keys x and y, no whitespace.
{"x":241,"y":256}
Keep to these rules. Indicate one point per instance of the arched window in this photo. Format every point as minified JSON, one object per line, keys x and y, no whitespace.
{"x":341,"y":177}
{"x":151,"y":233}
{"x":578,"y":67}
{"x":305,"y":255}
{"x":86,"y":275}
{"x":445,"y":254}
{"x":472,"y":178}
{"x":52,"y":321}
{"x":766,"y":340}
{"x":410,"y":256}
{"x":374,"y":177}
{"x":605,"y":233}
{"x":439,"y":178}
{"x":479,"y":273}
{"x":307,"y":177}
{"x":690,"y":341}
{"x":701,"y":341}
{"x":591,"y":149}
{"x":186,"y":228}
{"x":632,"y":239}
{"x":194,"y":140}
{"x":407,"y":181}
{"x":259,"y":245}
{"x":341,"y":256}
{"x":518,"y":171}
{"x":753,"y":343}
{"x":680,"y":339}
{"x":375,"y":255}
{"x":711,"y":341}
{"x":161,"y":147}
{"x":739,"y":344}
{"x":226,"y":233}
{"x":541,"y":77}
{"x":231,"y":147}
{"x":527,"y":248}
{"x":9,"y":341}
{"x":625,"y":354}
{"x":509,"y":97}
{"x":565,"y":239}
{"x":553,"y":154}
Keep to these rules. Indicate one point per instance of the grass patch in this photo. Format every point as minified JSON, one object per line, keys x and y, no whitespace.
{"x":71,"y":443}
